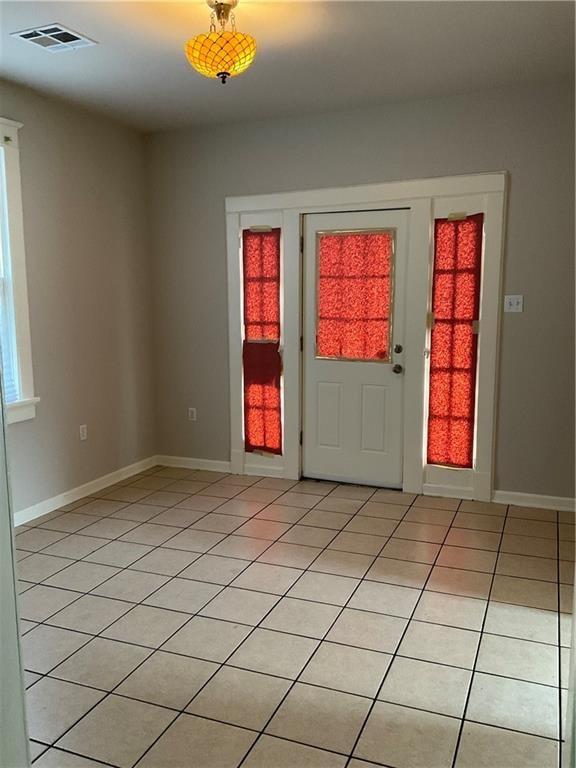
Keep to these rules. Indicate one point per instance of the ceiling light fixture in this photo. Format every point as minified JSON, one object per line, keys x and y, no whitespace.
{"x":223,"y":53}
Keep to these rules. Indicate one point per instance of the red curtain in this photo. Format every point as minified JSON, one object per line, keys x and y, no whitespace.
{"x":262,"y":422}
{"x":261,"y":351}
{"x":453,"y":356}
{"x":261,"y":261}
{"x":354,"y":280}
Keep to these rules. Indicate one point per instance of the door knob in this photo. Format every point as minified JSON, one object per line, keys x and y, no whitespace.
{"x":397,"y":368}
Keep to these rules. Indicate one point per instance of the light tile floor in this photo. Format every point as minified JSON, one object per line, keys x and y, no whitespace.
{"x":190,"y":618}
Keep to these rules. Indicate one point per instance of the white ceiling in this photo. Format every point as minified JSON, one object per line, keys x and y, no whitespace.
{"x":312,"y":57}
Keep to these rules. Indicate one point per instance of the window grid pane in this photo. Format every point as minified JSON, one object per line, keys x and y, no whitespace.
{"x":354,"y":300}
{"x":453,"y":355}
{"x":10,"y":376}
{"x":262,"y":363}
{"x":261,"y":260}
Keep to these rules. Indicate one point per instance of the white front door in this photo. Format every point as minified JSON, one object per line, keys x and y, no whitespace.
{"x":353,"y":329}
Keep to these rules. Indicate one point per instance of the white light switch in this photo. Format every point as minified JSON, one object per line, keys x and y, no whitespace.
{"x":513,"y":303}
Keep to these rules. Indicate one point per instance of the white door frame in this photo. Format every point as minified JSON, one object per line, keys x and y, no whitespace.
{"x":14,"y":745}
{"x":426,"y":199}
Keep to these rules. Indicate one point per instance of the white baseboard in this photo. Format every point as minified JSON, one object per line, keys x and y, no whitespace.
{"x":561,"y":503}
{"x":189,"y":463}
{"x":23,"y":516}
{"x":68,"y":497}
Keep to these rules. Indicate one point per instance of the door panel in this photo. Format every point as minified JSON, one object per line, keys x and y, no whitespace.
{"x":354,"y":287}
{"x":328,"y":414}
{"x":374,"y":405}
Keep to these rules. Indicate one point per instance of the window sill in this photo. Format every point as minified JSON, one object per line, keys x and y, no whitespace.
{"x":21,"y":410}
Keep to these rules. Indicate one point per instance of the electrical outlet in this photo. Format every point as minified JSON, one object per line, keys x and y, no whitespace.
{"x":83,"y":432}
{"x":191,"y":414}
{"x":513,"y":303}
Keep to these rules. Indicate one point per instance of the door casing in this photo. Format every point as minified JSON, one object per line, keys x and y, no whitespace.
{"x":14,"y":744}
{"x":426,"y":200}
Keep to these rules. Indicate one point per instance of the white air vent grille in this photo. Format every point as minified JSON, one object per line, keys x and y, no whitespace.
{"x":54,"y":38}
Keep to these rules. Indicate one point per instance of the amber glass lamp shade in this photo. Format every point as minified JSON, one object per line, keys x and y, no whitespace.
{"x":221,"y":54}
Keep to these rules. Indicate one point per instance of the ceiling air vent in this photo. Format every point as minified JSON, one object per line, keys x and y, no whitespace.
{"x":54,"y":38}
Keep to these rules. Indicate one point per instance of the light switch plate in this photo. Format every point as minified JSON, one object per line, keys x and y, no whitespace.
{"x":513,"y":303}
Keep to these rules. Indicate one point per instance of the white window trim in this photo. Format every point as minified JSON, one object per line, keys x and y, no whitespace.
{"x":426,"y":198}
{"x":24,"y":408}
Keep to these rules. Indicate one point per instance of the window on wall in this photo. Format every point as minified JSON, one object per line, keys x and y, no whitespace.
{"x":354,"y":295}
{"x":454,"y":341}
{"x":16,"y":355}
{"x":10,"y":376}
{"x":262,"y":363}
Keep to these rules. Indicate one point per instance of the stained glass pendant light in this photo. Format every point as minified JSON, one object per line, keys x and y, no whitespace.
{"x":221,"y":53}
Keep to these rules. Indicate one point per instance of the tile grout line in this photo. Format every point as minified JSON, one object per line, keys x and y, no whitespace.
{"x":279,"y":595}
{"x":107,"y":694}
{"x":321,"y":640}
{"x":278,"y":677}
{"x":243,"y":488}
{"x":200,"y":554}
{"x":45,"y":580}
{"x":167,"y":639}
{"x":190,"y":526}
{"x":183,"y":655}
{"x":129,"y":566}
{"x":477,"y":654}
{"x":248,"y":563}
{"x":119,"y":568}
{"x":150,"y":654}
{"x":222,"y":664}
{"x":69,"y":752}
{"x":134,"y":605}
{"x":150,"y":521}
{"x":180,"y":530}
{"x":256,"y":515}
{"x":395,"y":654}
{"x":257,"y":626}
{"x":559,"y":632}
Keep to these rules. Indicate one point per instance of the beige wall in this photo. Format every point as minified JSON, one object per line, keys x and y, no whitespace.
{"x":83,"y":180}
{"x":128,"y":310}
{"x":527,"y":132}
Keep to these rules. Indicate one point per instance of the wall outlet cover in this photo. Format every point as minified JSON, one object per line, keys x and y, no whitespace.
{"x":514,"y":303}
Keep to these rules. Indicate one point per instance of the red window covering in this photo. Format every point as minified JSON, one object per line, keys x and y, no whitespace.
{"x":354,"y":295}
{"x":453,"y":355}
{"x":261,"y":351}
{"x":261,"y":257}
{"x":262,"y":408}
